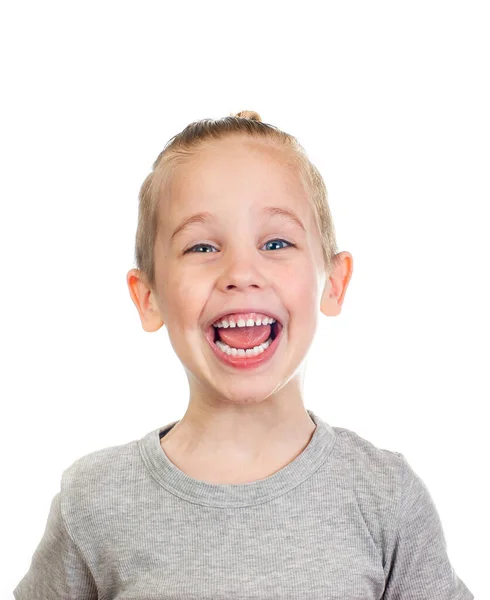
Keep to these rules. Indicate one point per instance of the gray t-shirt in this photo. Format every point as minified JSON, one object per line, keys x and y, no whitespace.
{"x":344,"y":520}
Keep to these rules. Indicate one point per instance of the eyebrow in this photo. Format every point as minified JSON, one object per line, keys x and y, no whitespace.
{"x":206,"y":217}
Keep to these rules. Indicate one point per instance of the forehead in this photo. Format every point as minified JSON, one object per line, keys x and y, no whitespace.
{"x":238,"y":171}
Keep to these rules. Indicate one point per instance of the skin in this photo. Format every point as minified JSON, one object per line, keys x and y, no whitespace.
{"x":255,"y":421}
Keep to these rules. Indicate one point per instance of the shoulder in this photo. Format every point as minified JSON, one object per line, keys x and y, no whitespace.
{"x":358,"y":448}
{"x":99,"y":492}
{"x":376,"y":475}
{"x":370,"y":481}
{"x":101,"y":466}
{"x":99,"y":480}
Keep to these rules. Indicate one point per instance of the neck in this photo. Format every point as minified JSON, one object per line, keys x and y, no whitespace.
{"x":245,"y":435}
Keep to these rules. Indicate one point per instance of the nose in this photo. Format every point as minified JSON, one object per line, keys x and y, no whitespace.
{"x":242,"y":272}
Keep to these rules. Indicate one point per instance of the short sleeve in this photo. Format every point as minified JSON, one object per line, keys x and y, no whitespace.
{"x":57,"y":570}
{"x":419,"y":564}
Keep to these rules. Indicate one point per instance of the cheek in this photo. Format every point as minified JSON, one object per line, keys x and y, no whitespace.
{"x":304,"y":289}
{"x":180,"y":296}
{"x":186,"y":297}
{"x":179,"y":285}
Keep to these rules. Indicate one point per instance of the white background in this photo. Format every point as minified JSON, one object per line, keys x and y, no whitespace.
{"x":390,"y":100}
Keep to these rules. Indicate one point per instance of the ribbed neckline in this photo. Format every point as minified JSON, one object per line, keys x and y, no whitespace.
{"x":196,"y":491}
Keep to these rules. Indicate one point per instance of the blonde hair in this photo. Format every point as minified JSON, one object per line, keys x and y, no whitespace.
{"x":189,"y":141}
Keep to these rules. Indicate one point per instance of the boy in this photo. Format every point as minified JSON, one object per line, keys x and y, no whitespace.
{"x":249,"y":495}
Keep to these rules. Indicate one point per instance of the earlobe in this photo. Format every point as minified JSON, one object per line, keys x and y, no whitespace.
{"x":336,"y":284}
{"x":144,"y":300}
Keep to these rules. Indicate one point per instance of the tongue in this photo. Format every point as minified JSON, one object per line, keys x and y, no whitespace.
{"x":244,"y":337}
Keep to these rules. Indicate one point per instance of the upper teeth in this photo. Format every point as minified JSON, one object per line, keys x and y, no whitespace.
{"x":242,"y":323}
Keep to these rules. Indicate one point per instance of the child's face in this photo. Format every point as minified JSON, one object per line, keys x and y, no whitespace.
{"x":229,"y":261}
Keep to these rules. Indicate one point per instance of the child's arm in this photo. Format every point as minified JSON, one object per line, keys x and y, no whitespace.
{"x":57,"y":568}
{"x":419,"y":566}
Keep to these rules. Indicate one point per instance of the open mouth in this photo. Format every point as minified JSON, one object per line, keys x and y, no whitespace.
{"x":275,"y":329}
{"x":249,"y":354}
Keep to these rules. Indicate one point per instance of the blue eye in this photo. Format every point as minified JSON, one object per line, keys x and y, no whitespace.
{"x":209,"y":246}
{"x":279,"y":240}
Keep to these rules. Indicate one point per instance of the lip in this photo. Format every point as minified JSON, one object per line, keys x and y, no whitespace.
{"x":249,"y":309}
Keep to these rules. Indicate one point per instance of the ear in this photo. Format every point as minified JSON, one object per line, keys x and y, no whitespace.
{"x":144,"y":300}
{"x":336,"y":284}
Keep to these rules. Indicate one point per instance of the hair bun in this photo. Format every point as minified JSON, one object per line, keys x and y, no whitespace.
{"x":248,"y":114}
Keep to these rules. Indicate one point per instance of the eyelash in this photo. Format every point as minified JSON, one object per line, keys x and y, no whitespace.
{"x":211,"y":246}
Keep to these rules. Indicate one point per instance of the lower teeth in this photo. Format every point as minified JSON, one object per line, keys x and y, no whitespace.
{"x":241,"y":352}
